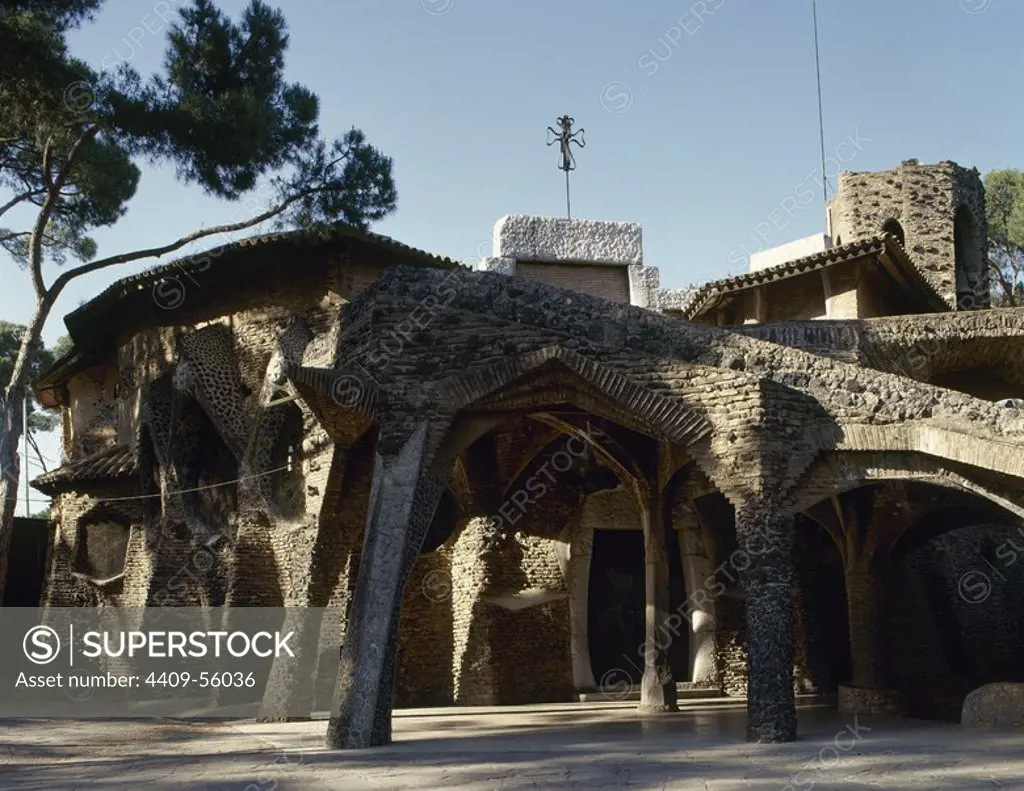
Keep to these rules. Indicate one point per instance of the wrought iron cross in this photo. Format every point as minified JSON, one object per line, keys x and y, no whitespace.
{"x":564,"y":136}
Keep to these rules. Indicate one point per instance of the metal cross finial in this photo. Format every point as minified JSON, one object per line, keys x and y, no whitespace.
{"x":564,"y":136}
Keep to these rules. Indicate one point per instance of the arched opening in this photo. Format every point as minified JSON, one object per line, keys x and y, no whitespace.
{"x":823,"y":647}
{"x":919,"y":561}
{"x":969,"y":261}
{"x":208,"y":466}
{"x":289,"y":493}
{"x":893,"y":228}
{"x":548,"y":571}
{"x":958,"y":623}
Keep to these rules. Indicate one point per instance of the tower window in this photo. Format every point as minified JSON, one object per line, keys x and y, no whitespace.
{"x":893,"y":228}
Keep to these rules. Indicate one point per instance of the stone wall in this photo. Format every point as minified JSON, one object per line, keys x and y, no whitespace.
{"x":975,"y":588}
{"x":425,"y":676}
{"x":795,"y":298}
{"x":485,"y":618}
{"x":93,"y":397}
{"x":66,"y":585}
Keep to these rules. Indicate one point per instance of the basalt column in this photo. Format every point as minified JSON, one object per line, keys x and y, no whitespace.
{"x":765,"y":536}
{"x":403,"y":498}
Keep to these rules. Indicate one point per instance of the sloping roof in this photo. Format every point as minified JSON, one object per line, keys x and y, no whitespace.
{"x":709,"y":293}
{"x":92,"y":324}
{"x":118,"y":461}
{"x":223,"y":256}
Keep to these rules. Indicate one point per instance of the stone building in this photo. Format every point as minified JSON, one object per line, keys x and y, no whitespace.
{"x":554,"y":477}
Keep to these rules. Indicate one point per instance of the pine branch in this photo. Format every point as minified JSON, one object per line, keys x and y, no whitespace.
{"x":157,"y":252}
{"x":27,"y":195}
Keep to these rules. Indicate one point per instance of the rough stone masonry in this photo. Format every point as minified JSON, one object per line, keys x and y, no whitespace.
{"x":778,"y":481}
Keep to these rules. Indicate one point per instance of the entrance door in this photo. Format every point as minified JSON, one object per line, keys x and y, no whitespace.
{"x":615,"y":616}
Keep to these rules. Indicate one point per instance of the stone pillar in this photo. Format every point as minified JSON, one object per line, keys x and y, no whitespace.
{"x":475,"y":671}
{"x":699,"y":576}
{"x":401,"y":505}
{"x":867,"y":521}
{"x":657,"y":687}
{"x":288,"y":696}
{"x":511,"y":636}
{"x":869,"y":691}
{"x":581,"y":552}
{"x":864,"y":599}
{"x":765,"y":536}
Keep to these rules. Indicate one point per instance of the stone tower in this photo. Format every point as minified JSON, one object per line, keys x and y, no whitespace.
{"x":936,"y":211}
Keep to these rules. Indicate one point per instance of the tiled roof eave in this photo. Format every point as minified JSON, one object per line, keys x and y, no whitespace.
{"x":709,"y":292}
{"x":119,"y":461}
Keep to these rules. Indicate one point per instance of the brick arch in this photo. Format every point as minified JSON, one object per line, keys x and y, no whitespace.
{"x":665,"y":417}
{"x":958,"y":447}
{"x":520,"y":383}
{"x":954,"y":516}
{"x":845,"y":471}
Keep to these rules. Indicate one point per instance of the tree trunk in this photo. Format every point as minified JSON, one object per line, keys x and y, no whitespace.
{"x":10,"y":434}
{"x":11,"y":427}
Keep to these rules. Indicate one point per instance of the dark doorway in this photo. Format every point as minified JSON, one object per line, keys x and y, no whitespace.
{"x":615,"y":617}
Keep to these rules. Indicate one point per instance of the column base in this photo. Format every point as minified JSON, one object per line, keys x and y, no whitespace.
{"x":772,"y":734}
{"x":664,"y":708}
{"x":342,"y":737}
{"x":857,"y":700}
{"x":657,"y":692}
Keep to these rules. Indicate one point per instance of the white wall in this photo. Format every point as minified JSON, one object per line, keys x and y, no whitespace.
{"x":811,"y":245}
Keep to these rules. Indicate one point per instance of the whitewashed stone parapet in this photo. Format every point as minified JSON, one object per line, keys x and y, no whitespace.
{"x":499,"y":264}
{"x":554,"y":239}
{"x":671,"y":298}
{"x":643,"y":286}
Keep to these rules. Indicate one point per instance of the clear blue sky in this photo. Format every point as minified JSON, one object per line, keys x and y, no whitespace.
{"x":721,"y":124}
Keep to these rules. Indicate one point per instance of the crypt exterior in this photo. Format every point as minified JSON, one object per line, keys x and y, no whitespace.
{"x":554,"y":477}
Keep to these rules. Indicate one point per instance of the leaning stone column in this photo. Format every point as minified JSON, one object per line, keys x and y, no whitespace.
{"x":657,"y":687}
{"x":402,"y":501}
{"x":581,"y":551}
{"x":766,"y":538}
{"x":699,"y":576}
